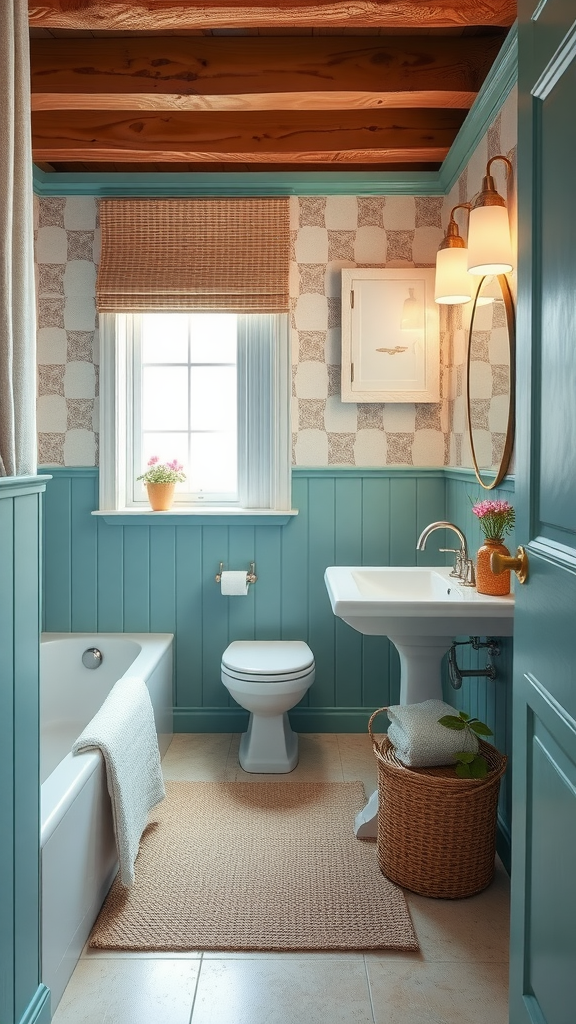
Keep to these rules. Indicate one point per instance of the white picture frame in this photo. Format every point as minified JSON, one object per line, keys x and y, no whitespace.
{"x":390,"y":336}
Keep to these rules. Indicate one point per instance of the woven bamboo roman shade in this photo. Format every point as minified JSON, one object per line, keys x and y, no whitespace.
{"x":194,"y":254}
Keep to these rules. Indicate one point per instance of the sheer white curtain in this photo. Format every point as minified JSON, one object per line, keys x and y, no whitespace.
{"x":17,"y":299}
{"x":264,"y":447}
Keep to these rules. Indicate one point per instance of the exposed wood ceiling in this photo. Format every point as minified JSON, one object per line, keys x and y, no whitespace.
{"x":168,"y":85}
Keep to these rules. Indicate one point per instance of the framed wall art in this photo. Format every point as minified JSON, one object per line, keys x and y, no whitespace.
{"x":390,"y":336}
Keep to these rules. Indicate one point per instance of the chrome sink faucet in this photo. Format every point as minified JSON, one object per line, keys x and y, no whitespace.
{"x":463,"y":565}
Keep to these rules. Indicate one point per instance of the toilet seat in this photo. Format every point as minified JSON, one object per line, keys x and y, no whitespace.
{"x":263,"y":679}
{"x":267,"y":659}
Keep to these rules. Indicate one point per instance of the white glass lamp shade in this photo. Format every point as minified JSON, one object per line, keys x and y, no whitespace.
{"x":452,"y":284}
{"x":489,"y":245}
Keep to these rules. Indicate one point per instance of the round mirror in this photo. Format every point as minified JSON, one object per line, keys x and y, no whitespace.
{"x":490,"y":380}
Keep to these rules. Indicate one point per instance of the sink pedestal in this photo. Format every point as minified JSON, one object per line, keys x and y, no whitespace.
{"x":420,"y":660}
{"x":420,"y":679}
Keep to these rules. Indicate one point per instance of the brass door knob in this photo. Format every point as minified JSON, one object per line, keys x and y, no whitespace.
{"x":519,"y":564}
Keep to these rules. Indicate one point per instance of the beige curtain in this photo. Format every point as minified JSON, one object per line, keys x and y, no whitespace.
{"x":17,"y":299}
{"x":194,"y":254}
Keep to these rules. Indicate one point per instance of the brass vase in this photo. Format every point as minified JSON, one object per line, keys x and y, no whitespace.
{"x":160,"y":496}
{"x":488,"y":582}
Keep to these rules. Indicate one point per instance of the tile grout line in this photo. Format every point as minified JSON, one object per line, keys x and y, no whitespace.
{"x":369,"y":991}
{"x":196,"y":987}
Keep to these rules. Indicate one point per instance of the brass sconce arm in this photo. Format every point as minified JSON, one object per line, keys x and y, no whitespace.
{"x":488,"y":195}
{"x":453,"y":238}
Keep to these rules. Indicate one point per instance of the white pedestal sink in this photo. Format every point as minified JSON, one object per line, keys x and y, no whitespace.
{"x":420,"y":611}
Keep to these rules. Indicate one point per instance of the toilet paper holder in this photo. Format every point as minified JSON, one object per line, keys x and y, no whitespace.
{"x":251,"y":576}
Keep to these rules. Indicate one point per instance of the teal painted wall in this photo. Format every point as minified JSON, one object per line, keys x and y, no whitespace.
{"x":487,"y":699}
{"x":103,"y":577}
{"x":22,"y":997}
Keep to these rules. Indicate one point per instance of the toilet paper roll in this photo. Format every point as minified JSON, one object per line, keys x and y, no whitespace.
{"x":234,"y":583}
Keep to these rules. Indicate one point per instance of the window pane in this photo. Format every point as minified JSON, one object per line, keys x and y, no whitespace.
{"x":213,"y":464}
{"x":213,"y":398}
{"x":165,"y":398}
{"x":165,"y":337}
{"x":213,"y":337}
{"x":167,"y":447}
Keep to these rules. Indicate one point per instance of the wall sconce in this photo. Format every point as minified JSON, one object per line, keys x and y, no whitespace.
{"x":489,"y":244}
{"x":453,"y":284}
{"x":489,"y":249}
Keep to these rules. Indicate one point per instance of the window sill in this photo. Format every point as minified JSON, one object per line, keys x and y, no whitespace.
{"x":196,"y":517}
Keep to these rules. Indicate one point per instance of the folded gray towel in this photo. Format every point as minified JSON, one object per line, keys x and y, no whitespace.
{"x":419,"y":740}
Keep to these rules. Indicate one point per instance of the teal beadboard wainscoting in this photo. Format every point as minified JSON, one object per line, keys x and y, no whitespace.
{"x":99,"y":576}
{"x":487,"y":699}
{"x":23,"y":1000}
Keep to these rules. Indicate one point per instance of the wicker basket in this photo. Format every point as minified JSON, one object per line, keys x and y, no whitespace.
{"x":436,"y":832}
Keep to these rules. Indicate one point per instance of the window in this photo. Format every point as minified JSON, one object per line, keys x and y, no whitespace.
{"x":210,"y":389}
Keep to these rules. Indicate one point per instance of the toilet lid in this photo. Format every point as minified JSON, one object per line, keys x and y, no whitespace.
{"x":267,"y":657}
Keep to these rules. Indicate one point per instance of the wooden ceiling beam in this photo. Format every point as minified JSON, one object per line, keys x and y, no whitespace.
{"x":290,"y":136}
{"x":255,"y":101}
{"x":94,"y":167}
{"x":323,"y":158}
{"x":252,"y":73}
{"x":162,"y":15}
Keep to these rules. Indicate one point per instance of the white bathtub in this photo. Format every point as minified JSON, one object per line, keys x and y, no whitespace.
{"x":78,"y":851}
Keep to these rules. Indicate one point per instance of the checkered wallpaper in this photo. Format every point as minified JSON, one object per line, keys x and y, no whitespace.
{"x":328,"y":233}
{"x":67,"y":245}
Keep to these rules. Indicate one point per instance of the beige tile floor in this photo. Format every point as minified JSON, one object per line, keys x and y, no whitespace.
{"x":459,"y":976}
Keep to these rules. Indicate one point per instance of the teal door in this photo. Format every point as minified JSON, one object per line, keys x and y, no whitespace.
{"x":543,"y":942}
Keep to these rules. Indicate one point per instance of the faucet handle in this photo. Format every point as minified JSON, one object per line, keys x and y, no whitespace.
{"x":468,"y":573}
{"x":457,"y":571}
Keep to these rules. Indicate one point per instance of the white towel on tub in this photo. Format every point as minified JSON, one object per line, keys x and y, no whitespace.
{"x":125,"y":732}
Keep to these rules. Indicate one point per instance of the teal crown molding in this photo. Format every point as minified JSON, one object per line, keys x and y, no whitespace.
{"x":292,"y":183}
{"x":495,"y":89}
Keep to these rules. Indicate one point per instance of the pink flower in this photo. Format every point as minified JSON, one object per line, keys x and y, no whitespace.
{"x":496,"y":517}
{"x":153,"y":460}
{"x":488,"y":507}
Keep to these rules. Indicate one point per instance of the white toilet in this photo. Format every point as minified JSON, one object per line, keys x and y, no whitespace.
{"x":268,"y":677}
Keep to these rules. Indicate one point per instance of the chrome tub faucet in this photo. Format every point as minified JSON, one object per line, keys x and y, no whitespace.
{"x":463,"y":565}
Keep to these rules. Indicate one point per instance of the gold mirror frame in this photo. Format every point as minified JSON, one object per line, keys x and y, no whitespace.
{"x":500,"y":472}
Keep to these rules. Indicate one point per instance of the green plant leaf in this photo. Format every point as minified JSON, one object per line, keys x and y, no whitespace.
{"x":451,"y":722}
{"x":480,"y":728}
{"x":463,"y":771}
{"x":465,"y":717}
{"x":466,"y":756}
{"x":479,"y":767}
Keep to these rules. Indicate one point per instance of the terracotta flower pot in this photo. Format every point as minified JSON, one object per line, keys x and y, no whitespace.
{"x":488,"y":582}
{"x":160,"y":496}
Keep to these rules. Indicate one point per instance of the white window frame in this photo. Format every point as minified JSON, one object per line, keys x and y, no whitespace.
{"x":264,"y":449}
{"x":136,"y":495}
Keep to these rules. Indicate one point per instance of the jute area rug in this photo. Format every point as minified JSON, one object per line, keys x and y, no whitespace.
{"x":256,"y":866}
